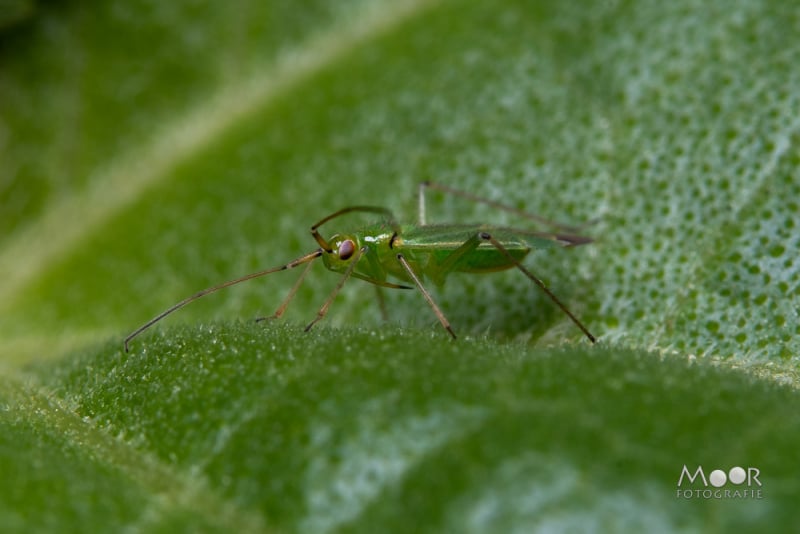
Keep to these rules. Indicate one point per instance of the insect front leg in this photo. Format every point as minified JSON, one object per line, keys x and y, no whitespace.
{"x":350,"y":268}
{"x":282,"y":308}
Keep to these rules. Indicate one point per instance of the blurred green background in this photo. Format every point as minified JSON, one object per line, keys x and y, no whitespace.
{"x":150,"y":149}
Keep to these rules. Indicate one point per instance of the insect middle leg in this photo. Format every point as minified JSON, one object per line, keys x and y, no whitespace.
{"x":452,"y":261}
{"x":426,"y":294}
{"x":381,"y":304}
{"x":439,"y":273}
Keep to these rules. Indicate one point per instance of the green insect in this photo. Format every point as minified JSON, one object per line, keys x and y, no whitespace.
{"x":410,"y":253}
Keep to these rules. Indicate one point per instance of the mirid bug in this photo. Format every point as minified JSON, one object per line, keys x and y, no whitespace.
{"x":411,"y":253}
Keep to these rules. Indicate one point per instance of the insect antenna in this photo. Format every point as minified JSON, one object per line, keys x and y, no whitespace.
{"x":294,"y":263}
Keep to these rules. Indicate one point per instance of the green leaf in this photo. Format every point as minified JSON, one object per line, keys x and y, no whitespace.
{"x":149,"y":150}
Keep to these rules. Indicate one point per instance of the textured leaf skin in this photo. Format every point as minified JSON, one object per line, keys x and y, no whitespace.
{"x":150,"y":149}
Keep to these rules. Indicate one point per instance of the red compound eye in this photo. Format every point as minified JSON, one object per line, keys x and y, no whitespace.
{"x":346,"y":249}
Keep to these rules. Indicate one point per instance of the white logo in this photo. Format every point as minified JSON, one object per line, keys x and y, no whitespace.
{"x":743,"y":483}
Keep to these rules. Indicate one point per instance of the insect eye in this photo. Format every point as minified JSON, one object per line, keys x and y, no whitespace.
{"x":346,"y":249}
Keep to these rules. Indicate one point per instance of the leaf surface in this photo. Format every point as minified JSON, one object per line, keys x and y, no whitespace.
{"x":149,"y":150}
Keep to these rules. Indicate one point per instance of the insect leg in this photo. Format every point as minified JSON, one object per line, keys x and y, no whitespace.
{"x":289,"y":296}
{"x":421,"y":197}
{"x":488,"y":237}
{"x":381,"y":303}
{"x":428,"y":297}
{"x":452,"y":260}
{"x":308,"y":258}
{"x":324,"y":309}
{"x":499,"y":205}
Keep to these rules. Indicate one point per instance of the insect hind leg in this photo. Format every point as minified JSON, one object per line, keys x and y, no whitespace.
{"x":423,"y":186}
{"x":485,"y":236}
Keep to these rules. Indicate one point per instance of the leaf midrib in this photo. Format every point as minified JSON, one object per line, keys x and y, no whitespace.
{"x":166,"y":487}
{"x":30,"y":252}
